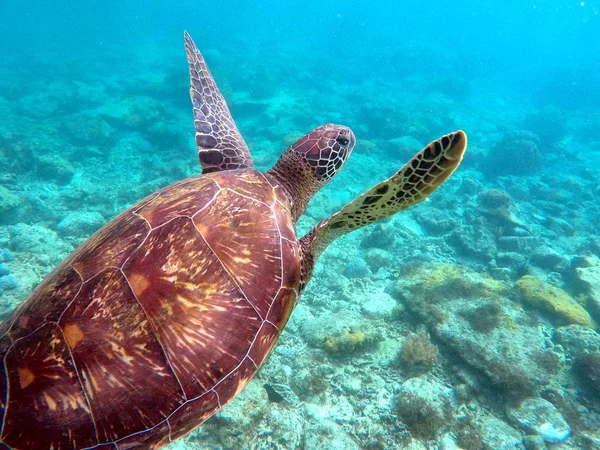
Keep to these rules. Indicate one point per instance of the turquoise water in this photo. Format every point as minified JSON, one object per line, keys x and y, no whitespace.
{"x":469,"y":320}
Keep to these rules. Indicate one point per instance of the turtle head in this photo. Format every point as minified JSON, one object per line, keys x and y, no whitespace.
{"x":310,"y":162}
{"x":324,"y":150}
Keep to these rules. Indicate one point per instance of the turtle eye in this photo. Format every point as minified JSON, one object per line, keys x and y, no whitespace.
{"x":342,"y":140}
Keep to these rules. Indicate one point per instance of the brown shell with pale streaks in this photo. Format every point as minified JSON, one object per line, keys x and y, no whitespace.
{"x":157,"y":321}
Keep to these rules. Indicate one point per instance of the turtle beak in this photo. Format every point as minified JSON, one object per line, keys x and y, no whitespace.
{"x":352,"y":141}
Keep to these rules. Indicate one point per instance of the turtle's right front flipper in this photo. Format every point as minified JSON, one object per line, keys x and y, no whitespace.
{"x":412,"y":184}
{"x":220,"y":144}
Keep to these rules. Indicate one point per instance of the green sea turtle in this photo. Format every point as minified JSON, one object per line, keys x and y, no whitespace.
{"x":166,"y":313}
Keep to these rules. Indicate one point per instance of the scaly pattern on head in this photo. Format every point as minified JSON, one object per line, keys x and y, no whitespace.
{"x":308,"y":164}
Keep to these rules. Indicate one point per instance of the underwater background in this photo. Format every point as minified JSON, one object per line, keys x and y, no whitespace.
{"x":469,"y":321}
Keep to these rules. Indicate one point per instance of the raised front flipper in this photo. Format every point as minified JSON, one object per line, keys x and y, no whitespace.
{"x":220,"y":144}
{"x":412,"y":184}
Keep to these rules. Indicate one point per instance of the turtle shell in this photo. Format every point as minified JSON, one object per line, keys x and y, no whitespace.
{"x":154,"y":323}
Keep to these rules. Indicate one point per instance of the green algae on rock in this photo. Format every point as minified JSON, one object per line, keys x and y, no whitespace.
{"x":506,"y":344}
{"x":554,"y":300}
{"x":348,"y":341}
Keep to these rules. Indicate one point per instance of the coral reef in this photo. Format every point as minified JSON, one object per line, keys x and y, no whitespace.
{"x":54,"y":168}
{"x":80,"y":223}
{"x":8,"y":281}
{"x":583,"y":349}
{"x":88,"y":129}
{"x":442,"y":282}
{"x":435,"y":221}
{"x":423,"y":405}
{"x":539,"y":416}
{"x":485,"y":317}
{"x":327,"y":435}
{"x":377,"y":258}
{"x":470,"y":438}
{"x":554,"y":300}
{"x":587,"y":368}
{"x":418,"y":352}
{"x":495,"y":201}
{"x":348,"y":341}
{"x":475,"y":240}
{"x":517,"y":153}
{"x":307,"y":383}
{"x":380,"y":235}
{"x":497,"y":434}
{"x":587,"y":280}
{"x":473,"y":315}
{"x":578,"y":340}
{"x":497,"y":206}
{"x":10,"y":205}
{"x":357,"y":268}
{"x":36,"y":239}
{"x":80,"y":141}
{"x":550,"y":259}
